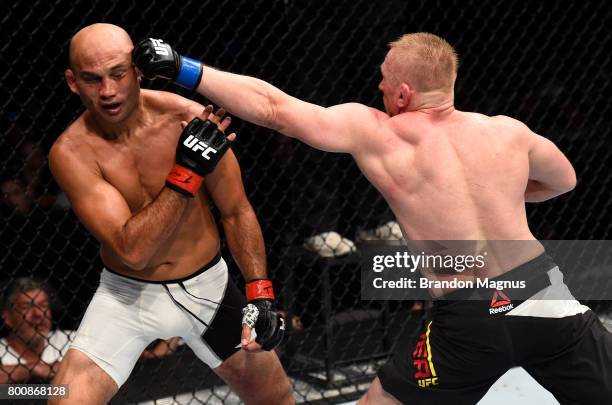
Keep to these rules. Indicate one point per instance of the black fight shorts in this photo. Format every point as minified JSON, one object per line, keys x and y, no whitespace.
{"x":463,"y":347}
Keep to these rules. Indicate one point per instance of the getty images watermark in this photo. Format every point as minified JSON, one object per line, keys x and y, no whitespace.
{"x":487,"y":270}
{"x":436,"y":264}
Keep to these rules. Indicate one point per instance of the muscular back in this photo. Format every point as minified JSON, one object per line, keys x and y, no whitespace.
{"x":452,"y":176}
{"x":446,"y":174}
{"x":456,"y":176}
{"x":131,"y":170}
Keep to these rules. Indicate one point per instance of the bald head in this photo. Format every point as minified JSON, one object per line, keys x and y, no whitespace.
{"x":98,"y":42}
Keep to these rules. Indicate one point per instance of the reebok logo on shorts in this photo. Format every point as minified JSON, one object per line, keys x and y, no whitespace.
{"x":500,"y":303}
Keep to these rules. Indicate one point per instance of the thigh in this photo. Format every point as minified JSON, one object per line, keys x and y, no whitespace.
{"x":87,"y":382}
{"x":582,"y":373}
{"x":452,"y":359}
{"x":220,"y":339}
{"x":111,"y":335}
{"x":258,"y":378}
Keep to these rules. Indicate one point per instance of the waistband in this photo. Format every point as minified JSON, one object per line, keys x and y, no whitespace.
{"x":214,"y":261}
{"x":533,"y":272}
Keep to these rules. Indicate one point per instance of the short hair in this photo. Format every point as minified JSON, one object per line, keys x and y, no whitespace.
{"x":426,"y":61}
{"x":20,"y":285}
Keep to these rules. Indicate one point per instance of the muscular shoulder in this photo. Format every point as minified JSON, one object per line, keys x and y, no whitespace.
{"x":75,"y":140}
{"x":170,"y":103}
{"x":510,"y":125}
{"x":378,"y":130}
{"x":76,"y":144}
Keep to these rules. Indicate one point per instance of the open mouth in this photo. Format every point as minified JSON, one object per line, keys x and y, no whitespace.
{"x":112,"y":108}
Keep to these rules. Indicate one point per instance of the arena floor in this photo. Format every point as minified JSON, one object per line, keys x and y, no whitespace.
{"x":515,"y":387}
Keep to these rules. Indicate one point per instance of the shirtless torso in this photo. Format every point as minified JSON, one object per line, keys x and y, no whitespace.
{"x":116,"y":163}
{"x":471,"y":167}
{"x":133,"y":169}
{"x":448,"y":176}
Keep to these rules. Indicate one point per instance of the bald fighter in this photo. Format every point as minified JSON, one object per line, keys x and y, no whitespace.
{"x":446,"y":174}
{"x":141,"y":179}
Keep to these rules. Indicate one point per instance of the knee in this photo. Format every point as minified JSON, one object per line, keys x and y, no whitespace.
{"x":71,"y":365}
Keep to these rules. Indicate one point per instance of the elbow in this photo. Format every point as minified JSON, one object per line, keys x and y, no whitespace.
{"x":269,"y":114}
{"x":134,"y":263}
{"x":270,"y":109}
{"x":130,"y":250}
{"x":133,"y":258}
{"x":572,"y":180}
{"x":569,"y":181}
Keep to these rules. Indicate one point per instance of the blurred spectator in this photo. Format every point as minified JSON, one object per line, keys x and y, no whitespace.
{"x":36,"y":175}
{"x":32,"y":351}
{"x":23,"y":157}
{"x":15,"y":198}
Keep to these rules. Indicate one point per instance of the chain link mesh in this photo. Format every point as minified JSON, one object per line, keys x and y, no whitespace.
{"x":546,"y":63}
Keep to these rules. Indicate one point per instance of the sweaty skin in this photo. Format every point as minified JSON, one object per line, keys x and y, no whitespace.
{"x":127,"y":175}
{"x":112,"y":163}
{"x":113,"y":160}
{"x":446,"y":174}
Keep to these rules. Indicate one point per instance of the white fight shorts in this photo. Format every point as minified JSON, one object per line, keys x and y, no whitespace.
{"x":126,"y":315}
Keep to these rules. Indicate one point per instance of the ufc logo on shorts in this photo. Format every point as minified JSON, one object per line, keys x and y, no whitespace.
{"x":192,"y":143}
{"x":159,"y":47}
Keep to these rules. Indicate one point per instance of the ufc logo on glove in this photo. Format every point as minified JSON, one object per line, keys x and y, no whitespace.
{"x":192,"y":143}
{"x":159,"y":47}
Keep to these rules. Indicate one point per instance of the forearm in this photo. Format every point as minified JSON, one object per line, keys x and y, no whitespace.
{"x":246,"y":243}
{"x":538,"y":192}
{"x":246,"y":97}
{"x":144,"y":232}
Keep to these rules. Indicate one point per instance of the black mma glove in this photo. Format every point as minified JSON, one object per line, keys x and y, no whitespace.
{"x":260,"y":314}
{"x":155,"y":58}
{"x":200,"y":147}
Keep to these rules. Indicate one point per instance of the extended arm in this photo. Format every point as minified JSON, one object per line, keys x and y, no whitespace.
{"x":340,"y":128}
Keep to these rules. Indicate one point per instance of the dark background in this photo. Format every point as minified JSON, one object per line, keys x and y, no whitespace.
{"x":546,"y":63}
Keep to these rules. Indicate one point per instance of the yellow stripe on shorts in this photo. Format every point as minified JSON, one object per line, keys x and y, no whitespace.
{"x":431,"y":366}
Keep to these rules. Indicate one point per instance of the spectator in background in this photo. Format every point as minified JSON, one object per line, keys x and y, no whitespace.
{"x":35,"y":174}
{"x":24,"y":158}
{"x":15,"y":198}
{"x":32,"y":350}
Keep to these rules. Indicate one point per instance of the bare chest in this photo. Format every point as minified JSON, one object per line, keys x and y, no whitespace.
{"x":138,"y":167}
